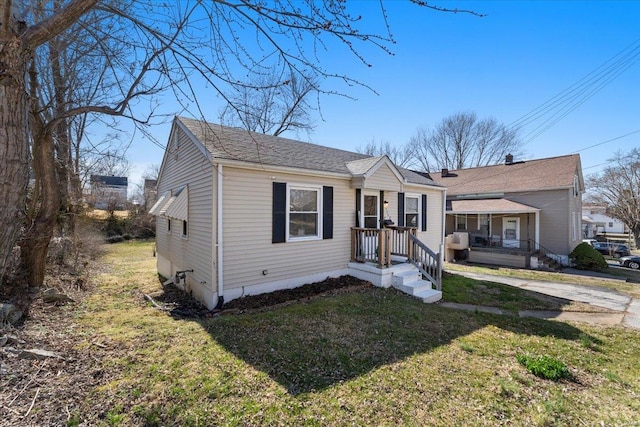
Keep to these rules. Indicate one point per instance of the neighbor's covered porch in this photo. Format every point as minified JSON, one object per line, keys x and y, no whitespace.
{"x":492,"y":231}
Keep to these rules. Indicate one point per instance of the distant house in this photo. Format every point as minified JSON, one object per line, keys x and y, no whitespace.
{"x":108,"y":191}
{"x":597,"y":222}
{"x":513,"y":212}
{"x":150,"y":193}
{"x":242,"y":213}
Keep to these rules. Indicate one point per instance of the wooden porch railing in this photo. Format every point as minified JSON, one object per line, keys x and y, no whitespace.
{"x":377,"y":245}
{"x":371,"y":245}
{"x":400,"y":243}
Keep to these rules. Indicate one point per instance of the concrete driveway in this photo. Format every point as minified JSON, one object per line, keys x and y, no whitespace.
{"x":627,"y":309}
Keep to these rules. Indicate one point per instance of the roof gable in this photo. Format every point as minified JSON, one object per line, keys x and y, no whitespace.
{"x":532,"y":175}
{"x":369,"y":166}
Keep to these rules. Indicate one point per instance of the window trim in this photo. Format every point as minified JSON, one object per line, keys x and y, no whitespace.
{"x":418,"y":198}
{"x":466,"y":222}
{"x":481,"y":218}
{"x":319,"y":212}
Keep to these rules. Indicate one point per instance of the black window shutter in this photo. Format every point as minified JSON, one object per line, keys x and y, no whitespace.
{"x":424,"y":212}
{"x":400,"y":209}
{"x":327,"y":212}
{"x":279,"y":226}
{"x":358,"y":206}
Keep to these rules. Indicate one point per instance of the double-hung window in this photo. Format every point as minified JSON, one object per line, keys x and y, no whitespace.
{"x":412,"y":211}
{"x":461,"y":222}
{"x":304,"y":204}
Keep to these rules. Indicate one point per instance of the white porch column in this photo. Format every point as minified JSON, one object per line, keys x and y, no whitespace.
{"x":537,"y":231}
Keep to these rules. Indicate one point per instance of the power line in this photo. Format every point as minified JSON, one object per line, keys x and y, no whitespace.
{"x":565,"y":102}
{"x":608,"y":140}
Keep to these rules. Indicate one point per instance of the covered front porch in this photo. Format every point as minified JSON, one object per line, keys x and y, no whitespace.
{"x":383,"y":252}
{"x":390,"y":234}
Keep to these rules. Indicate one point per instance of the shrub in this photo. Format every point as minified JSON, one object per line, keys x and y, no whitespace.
{"x":544,"y":367}
{"x":586,"y":257}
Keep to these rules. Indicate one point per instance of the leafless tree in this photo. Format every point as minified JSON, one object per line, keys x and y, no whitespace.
{"x":618,"y":187}
{"x":462,"y":141}
{"x":140,"y":49}
{"x":403,"y":156}
{"x":273,"y":104}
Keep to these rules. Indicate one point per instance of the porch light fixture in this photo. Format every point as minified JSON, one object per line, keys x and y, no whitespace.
{"x":386,"y":204}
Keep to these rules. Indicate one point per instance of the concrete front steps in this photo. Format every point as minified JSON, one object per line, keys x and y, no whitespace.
{"x":409,"y":280}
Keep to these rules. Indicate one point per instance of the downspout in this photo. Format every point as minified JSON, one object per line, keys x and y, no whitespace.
{"x":219,"y":252}
{"x":444,"y":219}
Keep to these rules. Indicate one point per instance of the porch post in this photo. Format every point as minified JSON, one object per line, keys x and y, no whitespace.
{"x":490,"y":230}
{"x":537,"y":230}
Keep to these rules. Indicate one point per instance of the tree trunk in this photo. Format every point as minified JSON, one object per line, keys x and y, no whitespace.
{"x":14,"y":148}
{"x":43,"y":215}
{"x":35,"y":242}
{"x":635,"y":231}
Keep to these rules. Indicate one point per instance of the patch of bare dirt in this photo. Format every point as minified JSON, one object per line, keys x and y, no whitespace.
{"x":48,"y":367}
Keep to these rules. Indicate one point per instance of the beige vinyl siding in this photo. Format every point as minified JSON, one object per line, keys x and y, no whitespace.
{"x":433,"y":236}
{"x":247,"y":216}
{"x":383,"y":179}
{"x":187,"y":165}
{"x":555,"y":217}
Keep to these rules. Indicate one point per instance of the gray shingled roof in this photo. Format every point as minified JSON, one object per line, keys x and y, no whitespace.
{"x":530,"y":175}
{"x":229,"y":143}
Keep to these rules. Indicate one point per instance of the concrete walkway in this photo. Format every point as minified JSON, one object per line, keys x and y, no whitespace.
{"x":627,"y":309}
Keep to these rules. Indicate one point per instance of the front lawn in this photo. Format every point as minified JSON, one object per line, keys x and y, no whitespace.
{"x":370,"y":357}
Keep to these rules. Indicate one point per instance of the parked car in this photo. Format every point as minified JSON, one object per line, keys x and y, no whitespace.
{"x":615,"y":250}
{"x":632,"y":261}
{"x":590,"y":241}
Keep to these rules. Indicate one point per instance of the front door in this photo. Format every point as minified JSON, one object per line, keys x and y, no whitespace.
{"x":371,"y":219}
{"x":511,"y":232}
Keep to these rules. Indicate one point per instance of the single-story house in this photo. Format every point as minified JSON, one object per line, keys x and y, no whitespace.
{"x":242,"y":213}
{"x":514,"y":210}
{"x":109,"y":191}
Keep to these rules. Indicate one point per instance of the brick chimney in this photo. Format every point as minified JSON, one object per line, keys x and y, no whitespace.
{"x":508,"y":160}
{"x":444,"y":172}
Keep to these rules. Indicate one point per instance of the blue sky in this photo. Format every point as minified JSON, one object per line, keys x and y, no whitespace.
{"x":504,"y":65}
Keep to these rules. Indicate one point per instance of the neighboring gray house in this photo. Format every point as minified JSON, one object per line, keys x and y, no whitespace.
{"x":513,"y":210}
{"x":109,"y":191}
{"x":242,"y":213}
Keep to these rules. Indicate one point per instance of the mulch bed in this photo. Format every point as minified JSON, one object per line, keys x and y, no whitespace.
{"x":179,"y":304}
